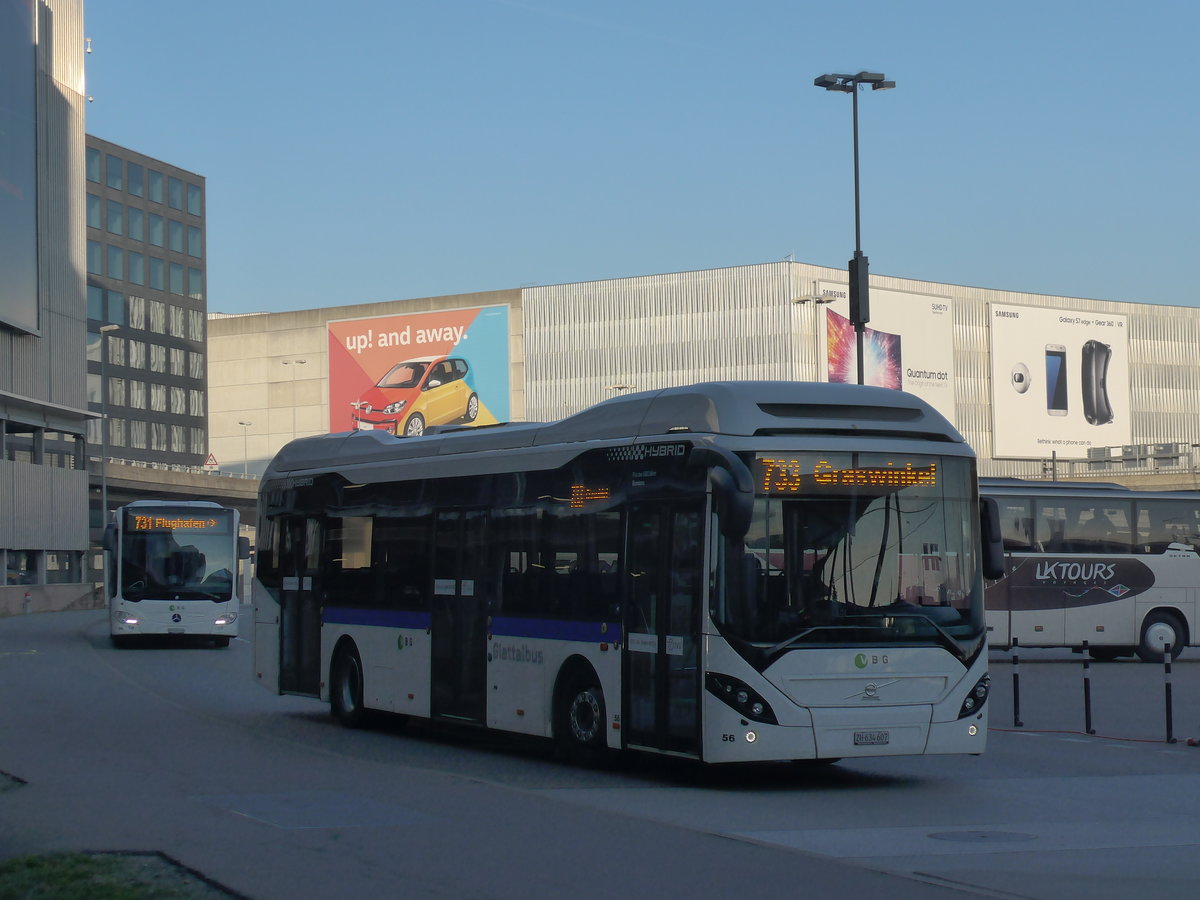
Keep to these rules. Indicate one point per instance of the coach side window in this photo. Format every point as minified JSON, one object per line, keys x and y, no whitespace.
{"x":1016,"y":524}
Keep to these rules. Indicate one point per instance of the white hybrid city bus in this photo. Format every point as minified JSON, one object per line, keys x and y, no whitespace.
{"x":171,"y":569}
{"x":728,"y":571}
{"x":1116,"y":568}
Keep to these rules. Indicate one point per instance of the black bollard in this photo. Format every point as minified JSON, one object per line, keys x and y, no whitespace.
{"x":1016,"y":664}
{"x":1167,"y":685}
{"x":1087,"y":691}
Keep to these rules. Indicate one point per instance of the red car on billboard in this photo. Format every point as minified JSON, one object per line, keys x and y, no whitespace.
{"x":417,"y":393}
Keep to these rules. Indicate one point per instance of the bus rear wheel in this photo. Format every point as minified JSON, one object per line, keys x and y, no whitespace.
{"x":1159,"y":629}
{"x":346,"y":688}
{"x":581,"y":721}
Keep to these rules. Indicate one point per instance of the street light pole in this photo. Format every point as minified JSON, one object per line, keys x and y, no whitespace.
{"x":859,"y":287}
{"x":105,"y":330}
{"x":291,"y":364}
{"x":245,"y":444}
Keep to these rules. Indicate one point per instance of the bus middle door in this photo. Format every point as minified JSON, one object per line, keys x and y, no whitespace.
{"x":459,"y":623}
{"x":299,"y":606}
{"x":662,"y":675}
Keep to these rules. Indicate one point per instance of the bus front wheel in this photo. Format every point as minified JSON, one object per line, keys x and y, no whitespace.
{"x":581,"y":720}
{"x":1159,"y":629}
{"x":346,"y":689}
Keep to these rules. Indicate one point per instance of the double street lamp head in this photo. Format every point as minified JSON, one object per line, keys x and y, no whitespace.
{"x":848,"y":83}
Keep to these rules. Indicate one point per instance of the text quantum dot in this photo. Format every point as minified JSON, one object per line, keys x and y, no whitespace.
{"x":788,"y":476}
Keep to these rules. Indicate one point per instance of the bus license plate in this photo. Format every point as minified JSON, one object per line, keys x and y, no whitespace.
{"x":862,"y":738}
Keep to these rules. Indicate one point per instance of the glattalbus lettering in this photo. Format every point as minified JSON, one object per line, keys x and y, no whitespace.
{"x":1075,"y":571}
{"x":517,"y":653}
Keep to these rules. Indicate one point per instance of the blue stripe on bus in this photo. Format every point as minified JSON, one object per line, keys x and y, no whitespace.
{"x":392,"y":618}
{"x":556,"y":628}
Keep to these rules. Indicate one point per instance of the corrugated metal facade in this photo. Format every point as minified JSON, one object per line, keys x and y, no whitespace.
{"x":43,"y":378}
{"x":586,"y":341}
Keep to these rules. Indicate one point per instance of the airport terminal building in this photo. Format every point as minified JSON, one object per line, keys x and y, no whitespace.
{"x":1038,"y":384}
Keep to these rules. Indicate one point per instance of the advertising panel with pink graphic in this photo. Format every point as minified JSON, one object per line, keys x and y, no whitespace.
{"x":403,"y":374}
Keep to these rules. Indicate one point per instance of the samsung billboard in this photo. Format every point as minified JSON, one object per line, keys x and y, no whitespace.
{"x":18,"y":166}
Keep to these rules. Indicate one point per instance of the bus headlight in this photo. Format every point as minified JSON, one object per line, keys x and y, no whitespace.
{"x":226,"y":619}
{"x":123,"y":618}
{"x":978,"y":695}
{"x":739,"y":695}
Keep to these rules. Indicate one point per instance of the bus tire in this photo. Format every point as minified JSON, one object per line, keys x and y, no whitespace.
{"x":346,"y":688}
{"x":1159,"y":629}
{"x":580,"y":727}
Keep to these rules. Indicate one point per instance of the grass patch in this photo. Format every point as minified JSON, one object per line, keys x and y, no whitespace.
{"x":103,"y":876}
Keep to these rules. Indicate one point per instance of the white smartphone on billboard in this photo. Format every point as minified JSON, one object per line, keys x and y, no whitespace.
{"x":1056,"y":379}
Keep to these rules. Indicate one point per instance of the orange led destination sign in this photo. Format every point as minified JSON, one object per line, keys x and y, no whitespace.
{"x":790,"y":475}
{"x":138,"y":522}
{"x":582,"y":494}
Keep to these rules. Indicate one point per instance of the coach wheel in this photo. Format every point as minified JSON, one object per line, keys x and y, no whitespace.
{"x":472,"y":412}
{"x":1159,"y":629}
{"x":582,"y":718}
{"x":415,"y":426}
{"x":346,"y":689}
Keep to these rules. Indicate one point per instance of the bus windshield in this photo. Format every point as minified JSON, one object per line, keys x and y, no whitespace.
{"x":854,"y":547}
{"x":184,"y":556}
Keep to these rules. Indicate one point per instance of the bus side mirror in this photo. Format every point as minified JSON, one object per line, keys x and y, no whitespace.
{"x":243,"y":548}
{"x":110,"y":538}
{"x":732,"y":489}
{"x":993,"y":540}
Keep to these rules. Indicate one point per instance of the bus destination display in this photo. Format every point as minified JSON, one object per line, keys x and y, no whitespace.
{"x":780,"y":476}
{"x":177,"y":523}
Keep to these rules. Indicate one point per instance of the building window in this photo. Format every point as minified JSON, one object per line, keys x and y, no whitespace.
{"x":195,"y":284}
{"x":95,"y":258}
{"x":156,"y":274}
{"x":158,"y":397}
{"x":197,"y":442}
{"x":115,"y":171}
{"x":178,"y":401}
{"x":158,"y":316}
{"x":93,"y":392}
{"x":93,"y":346}
{"x":137,"y":268}
{"x":196,"y":403}
{"x":158,"y":358}
{"x":137,"y":354}
{"x":157,"y":232}
{"x":136,"y":180}
{"x":195,"y":325}
{"x":175,"y":271}
{"x":116,"y":217}
{"x":137,"y":434}
{"x":177,"y":361}
{"x":174,"y":193}
{"x":175,"y":235}
{"x":116,"y":351}
{"x":177,"y":322}
{"x":196,"y":365}
{"x":178,"y":439}
{"x":137,"y":394}
{"x":155,"y":184}
{"x":115,"y":303}
{"x":116,"y":432}
{"x":93,"y":164}
{"x":194,"y":241}
{"x":116,"y":263}
{"x":93,"y":211}
{"x":95,"y":302}
{"x":116,"y":392}
{"x":158,"y":436}
{"x":137,"y":312}
{"x":137,"y":224}
{"x":194,"y":199}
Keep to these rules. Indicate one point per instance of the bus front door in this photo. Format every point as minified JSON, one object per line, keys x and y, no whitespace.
{"x":459,"y":623}
{"x":299,"y":606}
{"x":662,"y":675}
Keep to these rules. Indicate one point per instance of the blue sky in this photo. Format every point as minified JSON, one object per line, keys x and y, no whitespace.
{"x":387,"y":150}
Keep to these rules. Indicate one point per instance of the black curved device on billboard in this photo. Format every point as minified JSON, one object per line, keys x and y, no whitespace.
{"x":1096,"y":407}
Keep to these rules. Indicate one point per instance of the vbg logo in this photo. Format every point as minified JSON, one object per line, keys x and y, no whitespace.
{"x":860,"y":660}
